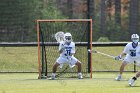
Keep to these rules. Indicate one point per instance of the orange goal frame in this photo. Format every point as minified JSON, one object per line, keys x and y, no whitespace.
{"x":64,"y":20}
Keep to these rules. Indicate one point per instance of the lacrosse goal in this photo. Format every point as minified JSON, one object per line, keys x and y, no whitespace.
{"x":81,"y":30}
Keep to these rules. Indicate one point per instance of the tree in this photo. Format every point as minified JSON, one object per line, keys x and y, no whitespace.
{"x":103,"y":18}
{"x":70,"y":8}
{"x":50,"y":11}
{"x":118,"y":18}
{"x":90,"y":12}
{"x":118,"y":12}
{"x":133,"y":16}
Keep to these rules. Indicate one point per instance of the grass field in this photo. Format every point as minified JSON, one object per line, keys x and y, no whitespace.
{"x":100,"y":83}
{"x":24,"y":59}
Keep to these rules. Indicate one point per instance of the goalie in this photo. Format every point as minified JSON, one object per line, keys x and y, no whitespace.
{"x":67,"y":51}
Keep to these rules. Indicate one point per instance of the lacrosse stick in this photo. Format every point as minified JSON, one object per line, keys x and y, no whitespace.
{"x":93,"y":51}
{"x":59,"y":36}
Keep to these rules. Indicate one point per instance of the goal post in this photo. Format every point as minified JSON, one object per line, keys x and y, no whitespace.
{"x":81,"y":30}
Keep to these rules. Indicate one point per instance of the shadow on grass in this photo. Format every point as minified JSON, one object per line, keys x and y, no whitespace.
{"x":132,"y":86}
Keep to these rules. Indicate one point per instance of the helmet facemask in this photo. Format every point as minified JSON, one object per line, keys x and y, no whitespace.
{"x":68,"y":38}
{"x":135,"y":38}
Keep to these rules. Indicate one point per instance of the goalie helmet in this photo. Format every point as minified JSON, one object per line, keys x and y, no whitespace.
{"x":135,"y":38}
{"x":68,"y":37}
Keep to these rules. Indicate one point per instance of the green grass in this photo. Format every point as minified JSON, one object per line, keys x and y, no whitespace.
{"x":25,"y":59}
{"x":100,"y":83}
{"x":15,"y":59}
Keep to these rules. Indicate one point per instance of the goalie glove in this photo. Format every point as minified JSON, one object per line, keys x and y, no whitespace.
{"x":118,"y":57}
{"x":62,"y":49}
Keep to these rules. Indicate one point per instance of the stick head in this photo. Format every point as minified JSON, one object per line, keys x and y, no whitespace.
{"x":59,"y":36}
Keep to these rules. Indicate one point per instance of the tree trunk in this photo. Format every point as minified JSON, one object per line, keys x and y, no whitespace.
{"x":133,"y":19}
{"x":118,"y":12}
{"x":90,"y":5}
{"x":103,"y":18}
{"x":70,"y":8}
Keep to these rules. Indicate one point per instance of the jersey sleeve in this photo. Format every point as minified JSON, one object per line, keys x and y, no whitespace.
{"x":61,"y":45}
{"x":73,"y":48}
{"x":126,"y":50}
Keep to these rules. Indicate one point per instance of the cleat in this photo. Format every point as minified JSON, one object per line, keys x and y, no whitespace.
{"x":80,"y":76}
{"x":53,"y":77}
{"x":131,"y":82}
{"x":118,"y":78}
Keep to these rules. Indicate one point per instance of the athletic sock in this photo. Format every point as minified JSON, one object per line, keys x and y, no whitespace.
{"x":134,"y":78}
{"x":53,"y":74}
{"x":80,"y":73}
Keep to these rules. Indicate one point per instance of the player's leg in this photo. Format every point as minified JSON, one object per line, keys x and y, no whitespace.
{"x":55,"y":67}
{"x":75,"y":61}
{"x":122,"y":67}
{"x":119,"y":77}
{"x":127,"y":60}
{"x":59,"y":62}
{"x":79,"y":65}
{"x":133,"y":79}
{"x":54,"y":70}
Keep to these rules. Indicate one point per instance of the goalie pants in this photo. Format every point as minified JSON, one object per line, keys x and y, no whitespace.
{"x":72,"y":61}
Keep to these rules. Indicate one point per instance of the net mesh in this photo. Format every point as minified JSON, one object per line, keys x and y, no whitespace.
{"x":49,"y":49}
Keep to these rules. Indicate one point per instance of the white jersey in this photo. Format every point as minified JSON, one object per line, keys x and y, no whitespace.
{"x":68,"y":49}
{"x":131,"y":51}
{"x":64,"y":56}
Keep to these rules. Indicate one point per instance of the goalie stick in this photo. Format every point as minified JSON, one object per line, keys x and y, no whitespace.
{"x":59,"y":36}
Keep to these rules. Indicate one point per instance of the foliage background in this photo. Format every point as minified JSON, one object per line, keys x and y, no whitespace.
{"x":114,"y":20}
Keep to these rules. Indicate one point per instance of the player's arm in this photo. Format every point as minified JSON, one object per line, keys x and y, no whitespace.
{"x":120,"y":56}
{"x":61,"y":48}
{"x":72,"y":50}
{"x":125,"y":51}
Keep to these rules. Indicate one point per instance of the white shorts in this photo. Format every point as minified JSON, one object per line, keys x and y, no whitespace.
{"x":62,"y":60}
{"x":129,"y":60}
